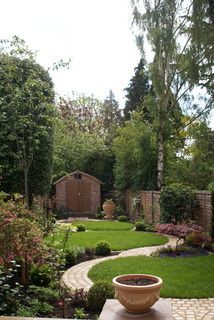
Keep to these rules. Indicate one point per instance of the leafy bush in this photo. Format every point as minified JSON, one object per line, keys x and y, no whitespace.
{"x":119,"y":211}
{"x":176,"y":252}
{"x":46,"y":294}
{"x":79,"y":313}
{"x":42,"y":275}
{"x":81,"y":228}
{"x":177,"y":202}
{"x":98,"y":294}
{"x":100,"y":214}
{"x":102,"y":248}
{"x":35,"y":308}
{"x":10,"y":291}
{"x":144,"y":226}
{"x":89,"y":251}
{"x":140,"y":226}
{"x":211,"y":186}
{"x":70,"y":258}
{"x":122,"y":218}
{"x":150,"y":227}
{"x":79,"y":298}
{"x":63,"y":213}
{"x":198,"y":239}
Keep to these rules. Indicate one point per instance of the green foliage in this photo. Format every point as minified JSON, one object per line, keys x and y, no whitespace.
{"x":10,"y":291}
{"x":35,"y":308}
{"x":70,"y":258}
{"x":136,"y":156}
{"x":193,"y":164}
{"x":140,"y":226}
{"x":177,"y":202}
{"x":26,"y":122}
{"x":82,"y":138}
{"x":176,"y":252}
{"x":100,"y":215}
{"x":81,"y":228}
{"x":98,"y":294}
{"x":120,"y":211}
{"x":42,"y":275}
{"x":122,"y":218}
{"x":46,"y":294}
{"x":211,"y":186}
{"x":144,"y":226}
{"x":79,"y":313}
{"x":139,"y":87}
{"x":90,"y":251}
{"x":102,"y":248}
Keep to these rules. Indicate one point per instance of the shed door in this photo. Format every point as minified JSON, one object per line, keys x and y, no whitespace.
{"x":78,"y":195}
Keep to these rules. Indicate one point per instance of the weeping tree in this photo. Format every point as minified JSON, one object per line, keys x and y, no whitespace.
{"x":168,"y":26}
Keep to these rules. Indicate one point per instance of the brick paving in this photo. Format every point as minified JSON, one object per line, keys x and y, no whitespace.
{"x":183,"y":309}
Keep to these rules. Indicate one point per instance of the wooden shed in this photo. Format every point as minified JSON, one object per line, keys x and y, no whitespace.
{"x":79,"y":192}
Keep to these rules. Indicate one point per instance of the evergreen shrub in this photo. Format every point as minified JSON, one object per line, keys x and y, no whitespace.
{"x":98,"y":294}
{"x":123,"y":218}
{"x":176,"y":202}
{"x":102,"y":248}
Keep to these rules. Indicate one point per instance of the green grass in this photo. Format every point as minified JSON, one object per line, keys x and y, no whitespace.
{"x":119,"y":240}
{"x":182,"y":277}
{"x":105,"y":225}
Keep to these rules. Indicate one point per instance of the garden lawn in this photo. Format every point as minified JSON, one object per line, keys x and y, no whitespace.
{"x":105,"y":225}
{"x":182,"y":277}
{"x":118,"y":240}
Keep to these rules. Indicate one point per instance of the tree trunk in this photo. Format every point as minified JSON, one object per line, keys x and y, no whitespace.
{"x":26,"y":187}
{"x":160,"y":159}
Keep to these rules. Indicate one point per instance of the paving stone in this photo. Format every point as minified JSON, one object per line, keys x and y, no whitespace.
{"x":113,"y":310}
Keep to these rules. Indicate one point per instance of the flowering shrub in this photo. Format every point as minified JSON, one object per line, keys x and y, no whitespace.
{"x":179,"y":230}
{"x":21,"y":238}
{"x":193,"y":234}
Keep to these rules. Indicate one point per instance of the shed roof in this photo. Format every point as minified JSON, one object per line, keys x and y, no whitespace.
{"x":77,"y":172}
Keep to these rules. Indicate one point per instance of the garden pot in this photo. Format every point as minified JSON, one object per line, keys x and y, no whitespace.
{"x":109,"y":209}
{"x":137,"y":294}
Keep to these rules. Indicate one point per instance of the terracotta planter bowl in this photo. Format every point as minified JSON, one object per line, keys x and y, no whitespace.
{"x":137,"y":298}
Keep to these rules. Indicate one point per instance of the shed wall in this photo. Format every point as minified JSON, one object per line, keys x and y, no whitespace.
{"x":95,"y":192}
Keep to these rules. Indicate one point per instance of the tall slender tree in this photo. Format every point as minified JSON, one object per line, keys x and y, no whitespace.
{"x":26,"y":117}
{"x":166,"y":24}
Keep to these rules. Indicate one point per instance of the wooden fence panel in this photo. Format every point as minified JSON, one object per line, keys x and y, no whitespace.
{"x":152,"y":213}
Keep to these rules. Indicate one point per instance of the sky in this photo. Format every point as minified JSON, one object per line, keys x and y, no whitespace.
{"x":95,"y":34}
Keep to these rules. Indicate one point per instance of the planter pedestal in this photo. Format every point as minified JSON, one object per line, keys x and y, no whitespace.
{"x":113,"y":310}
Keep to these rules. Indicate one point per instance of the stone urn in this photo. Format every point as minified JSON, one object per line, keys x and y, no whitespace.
{"x":137,"y":292}
{"x":109,"y":209}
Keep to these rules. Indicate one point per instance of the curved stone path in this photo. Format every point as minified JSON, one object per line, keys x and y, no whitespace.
{"x":183,"y":309}
{"x":76,"y":277}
